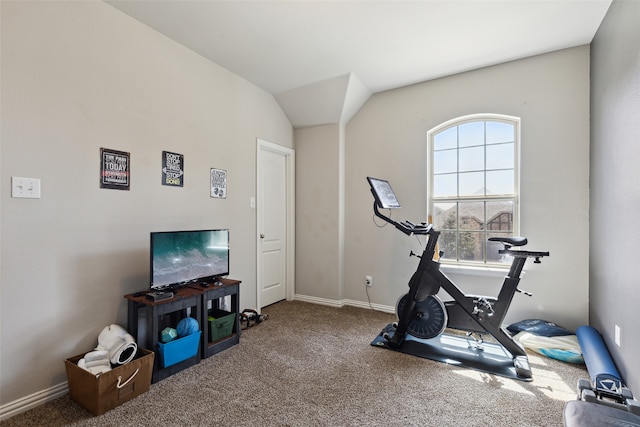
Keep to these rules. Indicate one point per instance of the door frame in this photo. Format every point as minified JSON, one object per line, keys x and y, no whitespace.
{"x":289,"y":154}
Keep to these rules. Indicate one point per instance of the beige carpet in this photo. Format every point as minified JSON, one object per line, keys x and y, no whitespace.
{"x":311,"y":365}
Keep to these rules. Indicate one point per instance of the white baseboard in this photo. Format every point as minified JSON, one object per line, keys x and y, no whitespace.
{"x":39,"y":398}
{"x":344,"y":302}
{"x":36,"y":399}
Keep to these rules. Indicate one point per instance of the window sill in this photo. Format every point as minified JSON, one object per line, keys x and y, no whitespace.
{"x":472,"y":270}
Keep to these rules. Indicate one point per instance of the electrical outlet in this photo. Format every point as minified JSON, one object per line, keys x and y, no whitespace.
{"x":616,"y":335}
{"x":368,"y":280}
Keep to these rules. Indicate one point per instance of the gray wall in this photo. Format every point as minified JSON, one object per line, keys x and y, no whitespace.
{"x":77,"y":76}
{"x":318,"y":205}
{"x":615,"y":185}
{"x":387,"y":139}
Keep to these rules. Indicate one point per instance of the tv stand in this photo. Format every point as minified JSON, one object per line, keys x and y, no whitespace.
{"x":195,"y":297}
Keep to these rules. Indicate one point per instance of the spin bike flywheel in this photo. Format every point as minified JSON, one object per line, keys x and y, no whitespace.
{"x":428,"y":319}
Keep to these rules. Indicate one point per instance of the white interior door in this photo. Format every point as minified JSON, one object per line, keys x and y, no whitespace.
{"x":274,"y":223}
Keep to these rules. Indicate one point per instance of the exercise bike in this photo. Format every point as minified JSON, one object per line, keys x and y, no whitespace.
{"x":423,"y":316}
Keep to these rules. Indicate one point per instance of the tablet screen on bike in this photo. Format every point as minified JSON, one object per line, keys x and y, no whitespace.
{"x":384,"y":195}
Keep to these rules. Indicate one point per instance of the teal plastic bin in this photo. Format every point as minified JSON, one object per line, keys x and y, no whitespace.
{"x":179,"y":349}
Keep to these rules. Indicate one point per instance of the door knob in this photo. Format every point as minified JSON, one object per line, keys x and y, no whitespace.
{"x":261,"y":236}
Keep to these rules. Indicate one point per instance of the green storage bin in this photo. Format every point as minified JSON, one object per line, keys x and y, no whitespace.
{"x":221,"y":324}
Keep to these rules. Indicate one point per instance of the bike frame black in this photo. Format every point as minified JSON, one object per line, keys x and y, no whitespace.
{"x":463,"y":311}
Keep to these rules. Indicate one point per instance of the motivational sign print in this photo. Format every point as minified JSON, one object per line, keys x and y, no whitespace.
{"x":219,"y":183}
{"x":172,"y":169}
{"x":115,"y":170}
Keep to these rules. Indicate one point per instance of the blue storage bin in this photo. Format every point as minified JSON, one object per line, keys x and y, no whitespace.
{"x":179,"y":349}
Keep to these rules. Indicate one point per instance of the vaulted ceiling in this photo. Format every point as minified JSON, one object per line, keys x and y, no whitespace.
{"x":322,"y":59}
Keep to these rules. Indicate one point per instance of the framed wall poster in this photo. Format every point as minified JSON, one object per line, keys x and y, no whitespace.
{"x":172,"y":169}
{"x":115,"y":169}
{"x":218,"y":183}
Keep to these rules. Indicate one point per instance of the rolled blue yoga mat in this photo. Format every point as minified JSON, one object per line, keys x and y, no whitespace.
{"x":604,"y":375}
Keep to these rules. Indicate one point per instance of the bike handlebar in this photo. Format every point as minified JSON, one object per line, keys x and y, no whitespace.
{"x":407,"y":227}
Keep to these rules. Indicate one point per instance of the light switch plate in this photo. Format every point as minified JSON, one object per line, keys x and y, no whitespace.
{"x":25,"y":188}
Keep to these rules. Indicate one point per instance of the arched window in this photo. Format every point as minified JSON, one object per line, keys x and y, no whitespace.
{"x":473,"y":185}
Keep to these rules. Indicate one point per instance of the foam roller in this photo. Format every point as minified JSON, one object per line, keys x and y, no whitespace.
{"x":604,"y":375}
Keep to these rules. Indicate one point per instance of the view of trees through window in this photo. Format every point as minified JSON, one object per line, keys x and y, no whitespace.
{"x":473,"y":186}
{"x":466,"y":226}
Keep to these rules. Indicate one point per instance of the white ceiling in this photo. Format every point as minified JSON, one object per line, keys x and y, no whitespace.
{"x":323,"y":59}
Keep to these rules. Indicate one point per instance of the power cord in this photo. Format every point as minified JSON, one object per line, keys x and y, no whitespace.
{"x":366,"y":289}
{"x":381,"y":225}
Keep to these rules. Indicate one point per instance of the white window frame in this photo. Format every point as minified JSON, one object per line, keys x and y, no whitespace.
{"x":489,"y":267}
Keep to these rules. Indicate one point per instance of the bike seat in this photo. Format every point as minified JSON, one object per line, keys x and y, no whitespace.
{"x":513,"y":241}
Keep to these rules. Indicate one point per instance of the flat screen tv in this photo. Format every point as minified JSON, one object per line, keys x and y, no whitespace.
{"x":182,"y":257}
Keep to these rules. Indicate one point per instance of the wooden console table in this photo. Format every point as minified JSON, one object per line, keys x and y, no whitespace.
{"x":195,"y":297}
